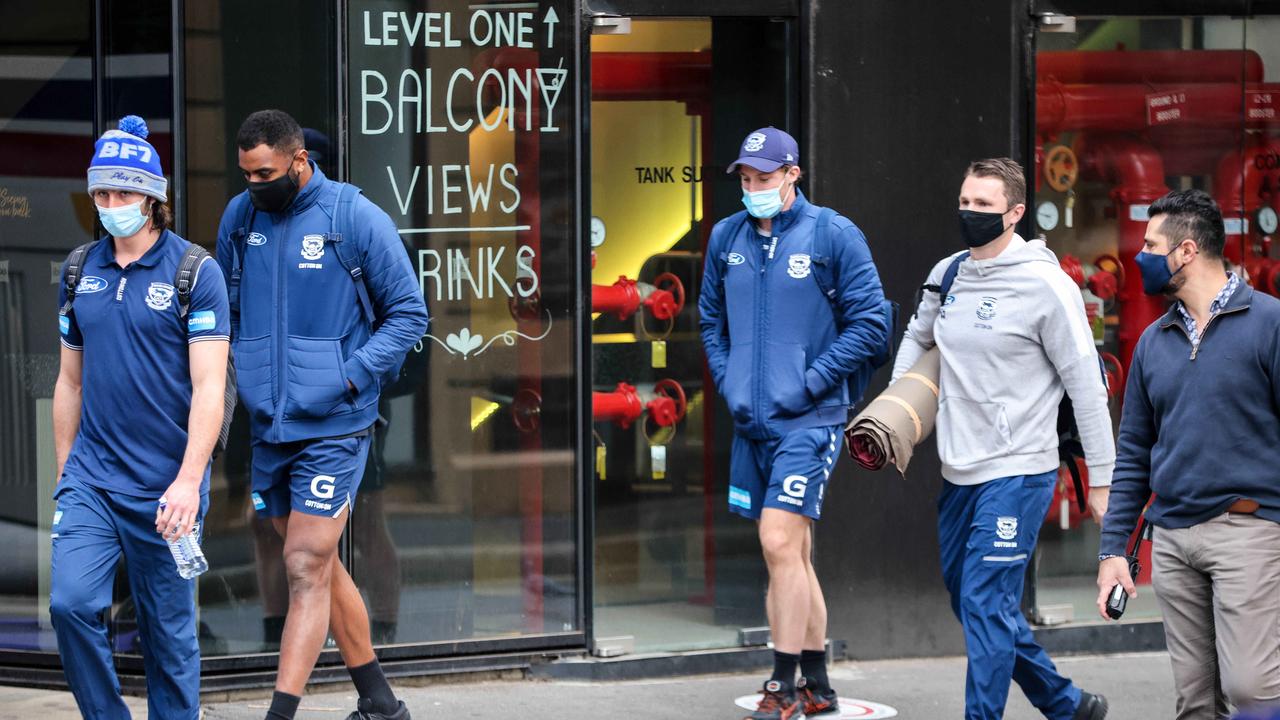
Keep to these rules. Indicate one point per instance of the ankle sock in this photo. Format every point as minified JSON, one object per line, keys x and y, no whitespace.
{"x":813,"y":665}
{"x":372,"y":684}
{"x":784,"y":668}
{"x":283,"y":706}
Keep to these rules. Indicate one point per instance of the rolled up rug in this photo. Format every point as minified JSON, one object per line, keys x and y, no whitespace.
{"x":890,"y":426}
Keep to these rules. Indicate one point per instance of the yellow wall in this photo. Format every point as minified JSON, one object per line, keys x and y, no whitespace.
{"x":644,"y":219}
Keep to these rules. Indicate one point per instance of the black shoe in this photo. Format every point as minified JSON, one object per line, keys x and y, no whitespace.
{"x":817,"y":701}
{"x":779,"y":702}
{"x":1091,"y":707}
{"x":364,"y":711}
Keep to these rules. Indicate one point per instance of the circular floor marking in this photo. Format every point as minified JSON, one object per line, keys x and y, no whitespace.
{"x":850,"y":708}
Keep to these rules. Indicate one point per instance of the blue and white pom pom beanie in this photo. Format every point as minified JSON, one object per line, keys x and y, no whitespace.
{"x":124,"y":160}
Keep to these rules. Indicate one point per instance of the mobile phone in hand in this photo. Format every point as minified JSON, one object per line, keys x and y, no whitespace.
{"x":1119,"y":599}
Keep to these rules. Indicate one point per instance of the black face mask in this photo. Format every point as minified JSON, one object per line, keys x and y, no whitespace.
{"x":980,"y":228}
{"x":274,"y":196}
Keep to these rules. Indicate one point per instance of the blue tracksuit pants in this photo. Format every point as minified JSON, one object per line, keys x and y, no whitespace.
{"x":987,"y":534}
{"x":92,"y":530}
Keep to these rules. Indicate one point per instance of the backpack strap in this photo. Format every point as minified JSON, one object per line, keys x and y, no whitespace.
{"x":948,"y":278}
{"x":719,"y":253}
{"x":71,"y":275}
{"x":239,"y":239}
{"x":343,"y":208}
{"x":184,"y":279}
{"x":824,"y":266}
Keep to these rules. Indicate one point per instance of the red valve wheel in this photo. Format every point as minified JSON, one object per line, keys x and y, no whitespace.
{"x":1061,"y":168}
{"x":526,"y":410}
{"x":669,"y":388}
{"x":671,"y":283}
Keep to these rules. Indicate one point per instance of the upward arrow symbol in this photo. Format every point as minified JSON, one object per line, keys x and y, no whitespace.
{"x":551,"y":18}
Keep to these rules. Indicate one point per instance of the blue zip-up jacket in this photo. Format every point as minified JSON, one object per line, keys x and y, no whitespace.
{"x":303,"y":333}
{"x":1201,"y":426}
{"x":777,"y":351}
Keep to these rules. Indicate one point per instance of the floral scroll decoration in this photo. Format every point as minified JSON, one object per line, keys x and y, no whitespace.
{"x":469,"y":344}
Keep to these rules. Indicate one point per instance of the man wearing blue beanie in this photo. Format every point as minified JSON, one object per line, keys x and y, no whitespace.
{"x":137,"y":409}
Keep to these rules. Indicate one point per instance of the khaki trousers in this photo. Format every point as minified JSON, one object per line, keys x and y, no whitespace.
{"x":1218,"y":584}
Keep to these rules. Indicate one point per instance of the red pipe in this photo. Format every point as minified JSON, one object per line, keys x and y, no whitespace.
{"x":666,"y":404}
{"x":1150,"y":66}
{"x":682,"y":77}
{"x":1113,"y":108}
{"x":1244,"y":183}
{"x":622,"y":406}
{"x":1136,"y":172}
{"x":624,"y":298}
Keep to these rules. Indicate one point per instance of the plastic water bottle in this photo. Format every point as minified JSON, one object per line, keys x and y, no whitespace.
{"x":187,"y":554}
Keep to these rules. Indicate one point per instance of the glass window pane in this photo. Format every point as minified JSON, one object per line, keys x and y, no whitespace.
{"x":46,"y":140}
{"x":1128,"y":109}
{"x":461,"y":127}
{"x":238,"y":60}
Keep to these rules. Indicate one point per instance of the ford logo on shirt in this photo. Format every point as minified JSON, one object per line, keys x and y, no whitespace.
{"x":735,"y":259}
{"x":90,"y":284}
{"x":256,"y":239}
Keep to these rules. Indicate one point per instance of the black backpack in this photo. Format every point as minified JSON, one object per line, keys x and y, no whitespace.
{"x":1070,"y":445}
{"x":182,"y":283}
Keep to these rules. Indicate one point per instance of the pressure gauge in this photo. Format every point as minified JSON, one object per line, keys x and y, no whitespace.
{"x":1047,"y":215}
{"x":597,"y":232}
{"x":1267,"y":220}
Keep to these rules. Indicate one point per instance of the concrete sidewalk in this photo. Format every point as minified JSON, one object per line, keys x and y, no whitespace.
{"x":1138,"y":686}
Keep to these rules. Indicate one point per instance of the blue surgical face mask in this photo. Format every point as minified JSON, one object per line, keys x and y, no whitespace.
{"x":764,"y":204}
{"x":1156,"y":275}
{"x":123,"y":221}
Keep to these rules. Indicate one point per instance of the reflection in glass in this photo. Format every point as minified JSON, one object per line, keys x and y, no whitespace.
{"x":243,"y":598}
{"x":462,"y":129}
{"x":1128,"y":109}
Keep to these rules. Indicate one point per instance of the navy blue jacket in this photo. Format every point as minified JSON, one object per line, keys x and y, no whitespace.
{"x":303,"y":334}
{"x":777,"y":351}
{"x":1202,"y":431}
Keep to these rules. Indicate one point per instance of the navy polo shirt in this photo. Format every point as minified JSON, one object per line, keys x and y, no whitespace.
{"x":136,"y":377}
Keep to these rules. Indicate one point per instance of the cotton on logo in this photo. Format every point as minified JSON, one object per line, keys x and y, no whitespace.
{"x":124,"y":151}
{"x":322,"y":486}
{"x":795,"y":485}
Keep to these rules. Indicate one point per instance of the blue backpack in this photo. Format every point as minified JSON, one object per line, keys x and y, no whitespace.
{"x":340,"y":222}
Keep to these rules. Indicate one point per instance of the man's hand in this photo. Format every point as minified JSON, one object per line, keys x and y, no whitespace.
{"x":1111,"y":572}
{"x":181,"y":508}
{"x":1098,"y":497}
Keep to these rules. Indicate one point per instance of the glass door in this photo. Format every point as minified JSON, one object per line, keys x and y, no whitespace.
{"x":670,"y":103}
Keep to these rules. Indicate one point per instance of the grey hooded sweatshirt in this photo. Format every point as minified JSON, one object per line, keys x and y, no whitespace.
{"x":1013,"y":335}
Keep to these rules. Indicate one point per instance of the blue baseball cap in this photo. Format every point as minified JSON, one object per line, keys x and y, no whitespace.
{"x":766,"y":150}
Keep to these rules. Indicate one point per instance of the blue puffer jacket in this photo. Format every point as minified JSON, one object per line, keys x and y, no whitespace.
{"x":779,"y":351}
{"x":303,"y":334}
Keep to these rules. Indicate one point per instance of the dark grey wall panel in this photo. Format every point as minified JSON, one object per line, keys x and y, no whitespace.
{"x":904,"y":95}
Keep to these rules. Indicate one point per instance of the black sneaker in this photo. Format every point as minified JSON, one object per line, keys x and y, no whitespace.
{"x":364,"y":711}
{"x":779,"y":702}
{"x":817,"y":701}
{"x":1091,"y":707}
